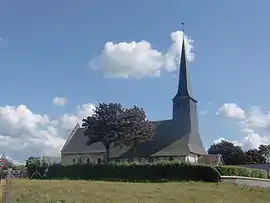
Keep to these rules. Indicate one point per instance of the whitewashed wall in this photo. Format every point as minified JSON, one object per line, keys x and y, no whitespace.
{"x":69,"y":159}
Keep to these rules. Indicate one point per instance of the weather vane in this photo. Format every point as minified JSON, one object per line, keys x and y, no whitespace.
{"x":183,"y":27}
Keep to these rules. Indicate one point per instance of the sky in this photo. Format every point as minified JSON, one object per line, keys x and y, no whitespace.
{"x":58,"y":59}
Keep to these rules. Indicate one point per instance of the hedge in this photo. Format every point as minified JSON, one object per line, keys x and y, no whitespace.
{"x":135,"y":172}
{"x":241,"y":171}
{"x":3,"y":174}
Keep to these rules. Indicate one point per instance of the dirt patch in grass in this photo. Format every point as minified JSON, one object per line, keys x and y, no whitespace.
{"x":30,"y":191}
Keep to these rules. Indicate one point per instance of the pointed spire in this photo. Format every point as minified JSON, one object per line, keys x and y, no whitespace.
{"x":184,"y":89}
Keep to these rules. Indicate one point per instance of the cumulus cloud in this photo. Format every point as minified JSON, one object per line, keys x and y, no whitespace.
{"x":231,"y":110}
{"x":223,"y":139}
{"x":253,"y":122}
{"x":139,"y":59}
{"x":24,"y":133}
{"x":59,"y":101}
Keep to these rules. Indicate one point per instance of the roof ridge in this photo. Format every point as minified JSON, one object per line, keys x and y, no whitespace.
{"x":73,"y":132}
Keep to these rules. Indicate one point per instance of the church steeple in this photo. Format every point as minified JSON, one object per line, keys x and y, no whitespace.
{"x":184,"y":89}
{"x":183,"y":103}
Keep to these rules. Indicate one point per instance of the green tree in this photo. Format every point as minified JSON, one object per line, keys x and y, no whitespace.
{"x":254,"y":156}
{"x":106,"y":125}
{"x":36,"y":167}
{"x":265,"y":152}
{"x":231,"y":154}
{"x":114,"y":125}
{"x":137,"y":130}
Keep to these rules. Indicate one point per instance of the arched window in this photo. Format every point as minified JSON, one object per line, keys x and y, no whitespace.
{"x":80,"y":159}
{"x":150,"y":159}
{"x":88,"y":160}
{"x":99,"y":160}
{"x":171,"y":158}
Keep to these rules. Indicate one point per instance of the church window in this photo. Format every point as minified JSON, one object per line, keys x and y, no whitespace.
{"x":99,"y":160}
{"x":88,"y":160}
{"x":150,"y":159}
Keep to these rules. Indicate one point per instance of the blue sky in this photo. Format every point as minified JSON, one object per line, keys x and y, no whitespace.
{"x":46,"y":47}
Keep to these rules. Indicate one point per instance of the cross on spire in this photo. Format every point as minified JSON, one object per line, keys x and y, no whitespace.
{"x":183,"y":27}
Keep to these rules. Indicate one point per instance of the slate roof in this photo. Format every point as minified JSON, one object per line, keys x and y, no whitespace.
{"x":184,"y":87}
{"x":168,"y":141}
{"x":77,"y":144}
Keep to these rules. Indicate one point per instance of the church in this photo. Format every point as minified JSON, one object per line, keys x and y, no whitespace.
{"x":177,"y":138}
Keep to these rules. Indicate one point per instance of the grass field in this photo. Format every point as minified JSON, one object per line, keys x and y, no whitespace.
{"x":2,"y":185}
{"x":41,"y":191}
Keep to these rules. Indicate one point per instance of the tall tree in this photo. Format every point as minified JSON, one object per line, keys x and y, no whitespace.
{"x":265,"y":152}
{"x":137,"y":128}
{"x":106,"y":125}
{"x":231,"y":154}
{"x":254,"y":156}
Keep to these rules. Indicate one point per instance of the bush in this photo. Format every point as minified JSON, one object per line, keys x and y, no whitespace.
{"x":34,"y":165}
{"x":135,"y":172}
{"x":3,"y":174}
{"x":241,"y":171}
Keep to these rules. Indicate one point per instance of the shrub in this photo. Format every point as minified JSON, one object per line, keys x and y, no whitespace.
{"x":3,"y":174}
{"x":135,"y":172}
{"x":241,"y":171}
{"x":36,"y":167}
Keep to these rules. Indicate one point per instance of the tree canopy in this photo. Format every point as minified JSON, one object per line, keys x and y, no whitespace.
{"x":231,"y":154}
{"x":235,"y":155}
{"x":138,"y":128}
{"x":36,"y":166}
{"x":264,"y":150}
{"x":114,"y":125}
{"x":254,"y":156}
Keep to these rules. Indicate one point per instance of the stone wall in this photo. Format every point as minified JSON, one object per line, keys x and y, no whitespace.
{"x":75,"y":158}
{"x":69,"y":159}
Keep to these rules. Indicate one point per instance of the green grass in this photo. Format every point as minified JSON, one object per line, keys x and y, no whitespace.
{"x":67,"y":191}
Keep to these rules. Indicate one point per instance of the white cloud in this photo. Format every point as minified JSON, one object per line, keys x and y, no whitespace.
{"x":254,"y":123}
{"x":60,"y":101}
{"x":223,"y":139}
{"x":24,"y":133}
{"x":140,"y":59}
{"x":258,"y":119}
{"x":231,"y":110}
